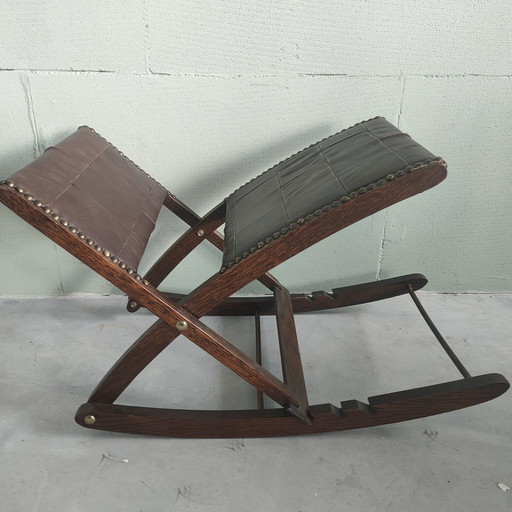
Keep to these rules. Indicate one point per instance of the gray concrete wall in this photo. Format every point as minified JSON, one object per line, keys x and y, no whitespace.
{"x":205,"y":95}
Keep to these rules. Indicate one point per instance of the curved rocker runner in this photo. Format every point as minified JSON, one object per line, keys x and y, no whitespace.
{"x":98,"y":205}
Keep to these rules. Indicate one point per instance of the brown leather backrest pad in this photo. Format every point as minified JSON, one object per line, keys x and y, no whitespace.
{"x":88,"y":182}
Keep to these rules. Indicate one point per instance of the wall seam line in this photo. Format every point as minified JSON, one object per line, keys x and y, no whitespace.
{"x":25,"y":83}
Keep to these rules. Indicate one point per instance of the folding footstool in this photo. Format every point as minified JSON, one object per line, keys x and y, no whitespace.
{"x":97,"y":204}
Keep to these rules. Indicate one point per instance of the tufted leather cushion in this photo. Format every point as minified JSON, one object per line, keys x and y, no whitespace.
{"x":94,"y":187}
{"x":313,"y":178}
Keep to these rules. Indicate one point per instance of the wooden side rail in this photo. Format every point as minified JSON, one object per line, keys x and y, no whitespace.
{"x":318,"y":300}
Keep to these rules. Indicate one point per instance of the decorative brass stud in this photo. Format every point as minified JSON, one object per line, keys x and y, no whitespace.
{"x":21,"y":190}
{"x":200,"y":232}
{"x":146,"y":282}
{"x":47,"y":210}
{"x":90,"y":419}
{"x":10,"y":184}
{"x":181,"y":325}
{"x":106,"y":253}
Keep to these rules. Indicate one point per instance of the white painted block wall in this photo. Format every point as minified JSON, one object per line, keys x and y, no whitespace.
{"x":205,"y":95}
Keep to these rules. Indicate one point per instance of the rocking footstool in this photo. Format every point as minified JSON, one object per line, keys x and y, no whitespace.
{"x":97,"y":204}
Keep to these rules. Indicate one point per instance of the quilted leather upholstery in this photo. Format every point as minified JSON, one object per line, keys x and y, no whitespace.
{"x":313,"y":178}
{"x":98,"y":190}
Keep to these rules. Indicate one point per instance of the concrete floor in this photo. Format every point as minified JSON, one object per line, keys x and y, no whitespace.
{"x":53,"y":352}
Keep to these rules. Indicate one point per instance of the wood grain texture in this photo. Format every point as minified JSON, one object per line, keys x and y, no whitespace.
{"x":383,"y":409}
{"x":293,"y":373}
{"x":317,"y":300}
{"x":133,"y":361}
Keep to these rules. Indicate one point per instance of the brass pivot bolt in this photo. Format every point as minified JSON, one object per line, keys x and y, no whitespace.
{"x":90,"y":420}
{"x":133,"y":304}
{"x":200,"y":232}
{"x":181,"y":325}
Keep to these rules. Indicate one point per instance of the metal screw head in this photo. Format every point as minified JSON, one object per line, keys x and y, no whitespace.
{"x":89,"y":419}
{"x":181,"y":325}
{"x":200,"y":232}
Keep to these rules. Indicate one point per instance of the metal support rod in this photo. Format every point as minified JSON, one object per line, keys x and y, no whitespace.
{"x":438,"y":335}
{"x":259,"y":394}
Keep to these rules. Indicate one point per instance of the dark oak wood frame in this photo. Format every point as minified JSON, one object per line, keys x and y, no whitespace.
{"x":181,"y":314}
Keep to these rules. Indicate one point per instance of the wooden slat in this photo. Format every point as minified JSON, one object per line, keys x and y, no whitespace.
{"x":257,"y":326}
{"x":293,"y":374}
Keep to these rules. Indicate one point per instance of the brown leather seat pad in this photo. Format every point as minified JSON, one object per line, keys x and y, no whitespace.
{"x":313,"y":178}
{"x":94,"y":187}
